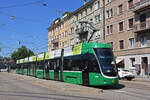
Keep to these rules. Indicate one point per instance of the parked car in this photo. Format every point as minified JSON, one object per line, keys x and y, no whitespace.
{"x":3,"y":70}
{"x":125,"y":74}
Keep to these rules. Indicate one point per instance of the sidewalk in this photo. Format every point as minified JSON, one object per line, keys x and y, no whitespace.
{"x":142,"y":79}
{"x":57,"y":85}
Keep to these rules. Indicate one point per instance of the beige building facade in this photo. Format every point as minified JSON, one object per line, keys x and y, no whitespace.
{"x":124,"y":24}
{"x":91,"y":14}
{"x":59,"y":33}
{"x":130,"y":43}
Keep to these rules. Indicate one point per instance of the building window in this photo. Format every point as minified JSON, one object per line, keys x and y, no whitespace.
{"x":120,"y":9}
{"x":62,"y":44}
{"x":91,"y":9}
{"x":91,"y":20}
{"x":120,"y":26}
{"x":131,"y":43}
{"x":64,"y":34}
{"x":110,"y":29}
{"x":109,"y":13}
{"x":130,"y":4}
{"x":81,"y":14}
{"x":121,"y":44}
{"x":108,"y":1}
{"x":72,"y":30}
{"x":130,"y":21}
{"x":86,"y":12}
{"x":132,"y":60}
{"x":97,"y":5}
{"x":98,"y":33}
{"x":97,"y":18}
{"x":111,"y":44}
{"x":107,"y":29}
{"x":61,"y":26}
{"x":143,"y":41}
{"x":143,"y":18}
{"x":77,"y":17}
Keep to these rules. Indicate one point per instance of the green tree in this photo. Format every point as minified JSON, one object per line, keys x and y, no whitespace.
{"x":21,"y":53}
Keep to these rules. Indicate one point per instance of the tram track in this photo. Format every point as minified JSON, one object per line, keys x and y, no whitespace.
{"x":136,"y":85}
{"x":140,"y":90}
{"x":142,"y":96}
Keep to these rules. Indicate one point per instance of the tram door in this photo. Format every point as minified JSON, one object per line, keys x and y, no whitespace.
{"x":47,"y":68}
{"x":22,"y":69}
{"x":28,"y":69}
{"x":56,"y":70}
{"x":33,"y":70}
{"x":85,"y":73}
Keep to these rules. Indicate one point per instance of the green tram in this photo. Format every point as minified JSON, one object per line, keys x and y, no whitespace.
{"x":85,"y":63}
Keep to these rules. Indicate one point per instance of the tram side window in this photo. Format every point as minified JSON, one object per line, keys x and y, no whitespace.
{"x":48,"y":64}
{"x":40,"y":65}
{"x":32,"y":65}
{"x":26,"y":66}
{"x":51,"y":65}
{"x":67,"y":64}
{"x":92,"y":63}
{"x":76,"y":65}
{"x":73,"y":63}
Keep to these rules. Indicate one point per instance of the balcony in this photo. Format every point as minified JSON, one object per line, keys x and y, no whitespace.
{"x":81,"y":30}
{"x":141,"y":5}
{"x":142,"y":26}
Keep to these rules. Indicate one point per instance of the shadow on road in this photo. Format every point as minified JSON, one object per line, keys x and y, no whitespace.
{"x":119,"y":86}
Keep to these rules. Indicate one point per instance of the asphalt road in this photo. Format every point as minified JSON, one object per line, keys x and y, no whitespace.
{"x":13,"y":87}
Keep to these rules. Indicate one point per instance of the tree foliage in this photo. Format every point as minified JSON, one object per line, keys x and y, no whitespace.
{"x":21,"y":53}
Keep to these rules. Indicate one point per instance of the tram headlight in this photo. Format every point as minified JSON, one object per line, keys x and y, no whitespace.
{"x":113,"y":81}
{"x":108,"y":71}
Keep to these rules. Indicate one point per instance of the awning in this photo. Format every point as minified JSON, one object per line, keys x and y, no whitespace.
{"x":119,"y":60}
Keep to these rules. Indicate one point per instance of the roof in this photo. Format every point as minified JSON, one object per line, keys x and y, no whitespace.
{"x":83,"y":7}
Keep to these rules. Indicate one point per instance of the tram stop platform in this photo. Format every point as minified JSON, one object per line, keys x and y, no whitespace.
{"x":57,"y":85}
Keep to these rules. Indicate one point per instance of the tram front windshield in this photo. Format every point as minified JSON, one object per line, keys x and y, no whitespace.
{"x":106,"y":60}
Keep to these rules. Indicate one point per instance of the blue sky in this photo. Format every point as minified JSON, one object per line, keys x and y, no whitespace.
{"x":27,"y":21}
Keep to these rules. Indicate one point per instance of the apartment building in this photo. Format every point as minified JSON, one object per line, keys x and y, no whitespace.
{"x":142,"y":33}
{"x":91,"y":14}
{"x":59,"y":32}
{"x":124,"y":31}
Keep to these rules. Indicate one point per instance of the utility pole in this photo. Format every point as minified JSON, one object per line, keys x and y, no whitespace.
{"x":62,"y":63}
{"x":104,"y":19}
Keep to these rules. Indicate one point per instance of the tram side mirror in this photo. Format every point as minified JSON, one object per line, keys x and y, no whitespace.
{"x":112,"y":62}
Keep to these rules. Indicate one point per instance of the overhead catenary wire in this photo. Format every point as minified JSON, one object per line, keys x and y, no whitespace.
{"x":25,"y":4}
{"x":39,"y":44}
{"x":13,"y":17}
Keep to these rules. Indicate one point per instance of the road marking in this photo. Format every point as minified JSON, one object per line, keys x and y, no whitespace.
{"x":119,"y":91}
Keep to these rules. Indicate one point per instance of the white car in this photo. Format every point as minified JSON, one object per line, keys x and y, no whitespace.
{"x":3,"y":70}
{"x":125,"y":74}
